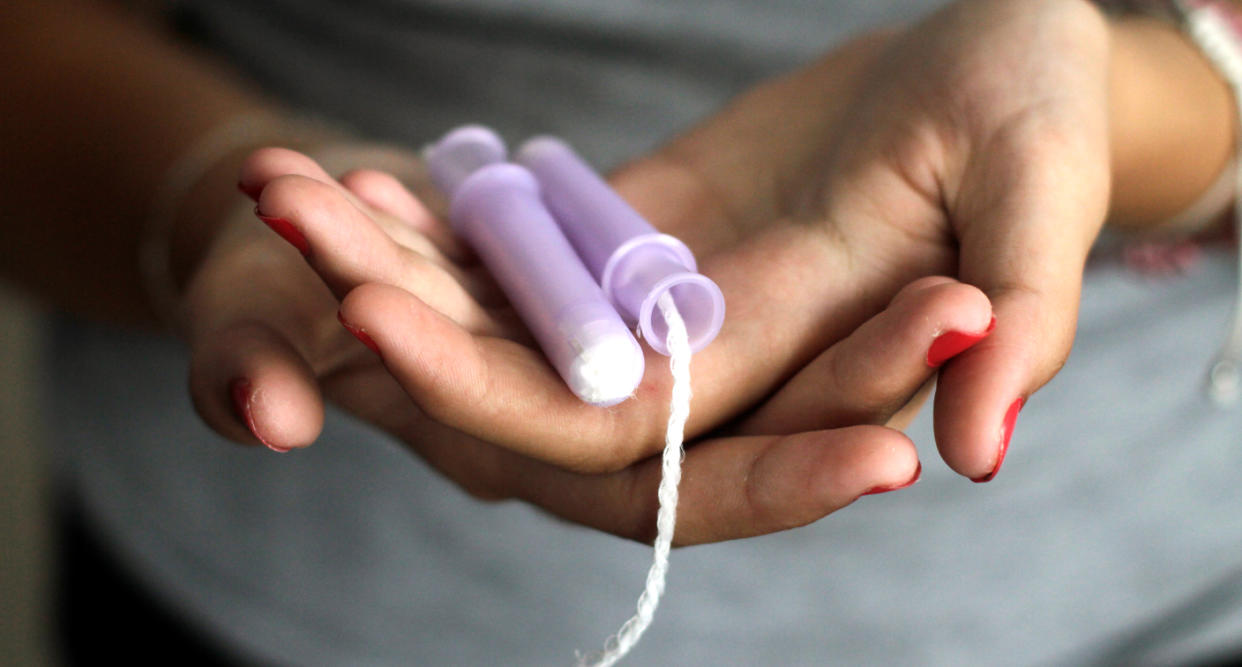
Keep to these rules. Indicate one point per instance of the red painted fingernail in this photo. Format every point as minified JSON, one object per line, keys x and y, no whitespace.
{"x":286,"y":230}
{"x":358,"y":333}
{"x":242,"y":392}
{"x":952,"y":343}
{"x":918,"y":473}
{"x":252,"y":191}
{"x":1011,"y":417}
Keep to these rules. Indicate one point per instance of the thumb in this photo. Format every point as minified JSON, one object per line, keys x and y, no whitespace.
{"x":1027,"y":214}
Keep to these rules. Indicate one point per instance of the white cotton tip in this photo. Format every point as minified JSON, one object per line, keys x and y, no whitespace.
{"x":607,"y":371}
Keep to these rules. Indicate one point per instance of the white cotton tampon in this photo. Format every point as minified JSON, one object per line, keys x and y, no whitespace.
{"x":521,"y":220}
{"x":496,"y":206}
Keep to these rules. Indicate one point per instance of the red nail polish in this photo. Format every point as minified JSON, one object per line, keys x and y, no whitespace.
{"x":242,"y":392}
{"x":358,"y":333}
{"x":287,"y":231}
{"x":918,"y":473}
{"x":252,"y":191}
{"x":1011,"y":417}
{"x":952,"y":343}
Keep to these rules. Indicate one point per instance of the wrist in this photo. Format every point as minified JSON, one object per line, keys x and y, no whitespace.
{"x":1172,"y":124}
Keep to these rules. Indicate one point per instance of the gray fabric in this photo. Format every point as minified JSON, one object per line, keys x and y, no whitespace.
{"x":613,"y":77}
{"x":1111,"y":535}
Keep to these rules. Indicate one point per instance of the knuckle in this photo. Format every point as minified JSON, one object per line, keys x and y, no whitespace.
{"x":920,"y":285}
{"x":272,"y":161}
{"x":641,"y":507}
{"x":484,"y":478}
{"x":625,"y":440}
{"x":605,"y":461}
{"x":368,"y":181}
{"x":291,"y":194}
{"x":767,"y":511}
{"x":866,"y":397}
{"x":844,"y":380}
{"x":952,"y":295}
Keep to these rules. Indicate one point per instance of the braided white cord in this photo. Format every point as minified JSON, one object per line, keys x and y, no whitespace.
{"x":1211,"y":32}
{"x":678,"y":342}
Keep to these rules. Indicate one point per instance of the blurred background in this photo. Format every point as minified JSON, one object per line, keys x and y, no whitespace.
{"x":25,"y":550}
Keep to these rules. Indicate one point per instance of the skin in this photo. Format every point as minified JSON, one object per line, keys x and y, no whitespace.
{"x":848,"y":186}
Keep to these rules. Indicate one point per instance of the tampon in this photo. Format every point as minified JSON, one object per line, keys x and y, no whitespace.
{"x":632,"y":261}
{"x":496,"y":207}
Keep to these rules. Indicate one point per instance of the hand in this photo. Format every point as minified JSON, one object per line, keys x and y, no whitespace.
{"x":735,"y":486}
{"x":979,"y":148}
{"x":975,"y":145}
{"x":284,"y":344}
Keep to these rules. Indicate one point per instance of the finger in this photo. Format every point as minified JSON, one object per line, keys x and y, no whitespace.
{"x":268,"y":164}
{"x":346,"y":248}
{"x":418,"y":229}
{"x":491,"y":388}
{"x":730,"y":489}
{"x":867,"y":377}
{"x":743,"y":487}
{"x":250,"y":384}
{"x":383,"y":192}
{"x":1026,"y":228}
{"x":255,"y":353}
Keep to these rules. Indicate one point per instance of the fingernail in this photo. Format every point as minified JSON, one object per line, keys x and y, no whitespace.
{"x":952,"y":343}
{"x":918,"y":473}
{"x":242,"y":392}
{"x":286,"y":230}
{"x":252,"y":191}
{"x":358,"y":333}
{"x":1011,"y":417}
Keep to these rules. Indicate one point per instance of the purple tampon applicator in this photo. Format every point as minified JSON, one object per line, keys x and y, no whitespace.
{"x":633,"y":262}
{"x":496,"y":207}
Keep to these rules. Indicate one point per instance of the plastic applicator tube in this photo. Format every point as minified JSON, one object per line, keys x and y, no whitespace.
{"x":496,"y":206}
{"x":633,"y":262}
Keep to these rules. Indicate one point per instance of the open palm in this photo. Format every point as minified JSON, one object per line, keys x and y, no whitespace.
{"x":821,"y":205}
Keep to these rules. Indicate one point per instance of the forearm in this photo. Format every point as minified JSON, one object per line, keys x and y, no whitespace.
{"x":1172,"y":123}
{"x":101,"y":104}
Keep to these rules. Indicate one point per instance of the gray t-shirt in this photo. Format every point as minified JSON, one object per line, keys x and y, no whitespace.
{"x":1112,"y":536}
